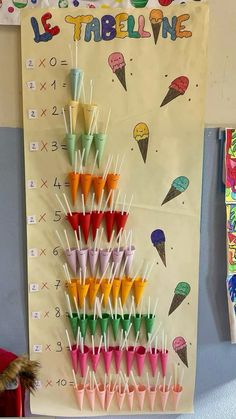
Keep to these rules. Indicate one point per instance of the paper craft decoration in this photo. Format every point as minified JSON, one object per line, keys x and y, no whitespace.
{"x":46,"y":58}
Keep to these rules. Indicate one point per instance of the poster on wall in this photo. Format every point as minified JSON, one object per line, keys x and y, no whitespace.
{"x":10,"y":10}
{"x":113,"y":104}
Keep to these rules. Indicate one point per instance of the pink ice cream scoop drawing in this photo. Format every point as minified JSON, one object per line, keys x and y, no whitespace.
{"x":180,"y":347}
{"x":117,"y":63}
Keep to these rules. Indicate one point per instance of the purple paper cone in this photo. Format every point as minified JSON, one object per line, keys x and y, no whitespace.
{"x":129,"y":254}
{"x":82,"y":256}
{"x":117,"y":256}
{"x":71,"y":259}
{"x":104,"y":256}
{"x":93,"y":258}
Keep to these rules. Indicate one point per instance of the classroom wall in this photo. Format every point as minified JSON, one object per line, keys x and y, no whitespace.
{"x":216,"y":384}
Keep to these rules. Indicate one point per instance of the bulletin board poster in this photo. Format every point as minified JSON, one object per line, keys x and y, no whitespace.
{"x":142,"y":116}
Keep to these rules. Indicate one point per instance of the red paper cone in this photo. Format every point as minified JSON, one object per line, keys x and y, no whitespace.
{"x":73,"y":220}
{"x":94,"y":358}
{"x":129,"y":354}
{"x":153,"y":359}
{"x":117,"y":356}
{"x":84,"y":222}
{"x":164,"y":359}
{"x":74,"y":358}
{"x":121,"y":220}
{"x":140,"y":355}
{"x":83,"y":360}
{"x":107,"y":357}
{"x":96,"y":220}
{"x":109,"y":219}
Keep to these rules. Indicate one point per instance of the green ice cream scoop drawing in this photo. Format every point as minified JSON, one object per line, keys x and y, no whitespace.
{"x":178,"y":186}
{"x":181,"y":291}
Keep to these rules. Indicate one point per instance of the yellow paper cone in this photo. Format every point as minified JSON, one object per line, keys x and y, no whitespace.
{"x":74,"y":111}
{"x":72,"y":288}
{"x":115,"y":290}
{"x":106,"y":290}
{"x":126,"y":285}
{"x":82,"y":292}
{"x":93,"y":290}
{"x":139,"y":287}
{"x":88,"y":114}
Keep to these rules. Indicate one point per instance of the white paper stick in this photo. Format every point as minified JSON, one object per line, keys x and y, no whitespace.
{"x":65,"y":267}
{"x":100,"y":238}
{"x":93,"y":345}
{"x":168,"y":386}
{"x":123,"y":207}
{"x":121,"y":164}
{"x":78,"y":338}
{"x":95,"y":241}
{"x":141,"y":307}
{"x":148,"y":382}
{"x":104,"y":273}
{"x":60,"y":240}
{"x":76,"y":306}
{"x":95,"y":122}
{"x":121,"y":309}
{"x":108,"y":197}
{"x":91,"y":92}
{"x":130,"y":203}
{"x":67,"y":241}
{"x":94,"y":309}
{"x":100,"y":203}
{"x":110,"y":306}
{"x":67,"y":204}
{"x":132,"y":375}
{"x":76,"y":162}
{"x":151,"y":268}
{"x":117,"y":159}
{"x":76,"y":53}
{"x":80,"y":86}
{"x":91,"y":121}
{"x":69,"y":305}
{"x":62,"y":206}
{"x":86,"y":376}
{"x":165,"y":349}
{"x":74,"y":377}
{"x":71,"y":55}
{"x":68,"y":339}
{"x":100,"y":344}
{"x":181,"y":378}
{"x":94,"y":163}
{"x":70,"y":115}
{"x":96,"y":383}
{"x":123,"y":268}
{"x":81,"y":160}
{"x":111,"y":239}
{"x":108,"y":120}
{"x":77,"y":241}
{"x":83,"y":91}
{"x":65,"y":122}
{"x":157,"y":381}
{"x":92,"y":204}
{"x":149,"y":302}
{"x":83,"y":206}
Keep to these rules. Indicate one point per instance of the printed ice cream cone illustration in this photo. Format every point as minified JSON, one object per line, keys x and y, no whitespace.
{"x":181,"y":292}
{"x":155,"y":18}
{"x":141,"y":135}
{"x":180,"y":347}
{"x":117,"y":63}
{"x":179,"y":185}
{"x":158,"y":240}
{"x":177,"y":88}
{"x":74,"y":185}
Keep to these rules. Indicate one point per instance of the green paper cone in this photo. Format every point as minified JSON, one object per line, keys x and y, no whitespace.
{"x":104,"y":322}
{"x":86,"y":142}
{"x":83,"y":325}
{"x":125,"y":322}
{"x":136,"y":321}
{"x":74,"y":321}
{"x":71,"y":146}
{"x":100,"y":141}
{"x":75,"y":77}
{"x":92,"y":324}
{"x":149,"y":323}
{"x":115,"y":325}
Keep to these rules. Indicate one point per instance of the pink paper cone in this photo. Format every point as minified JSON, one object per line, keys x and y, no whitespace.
{"x":84,"y":222}
{"x":151,"y":397}
{"x":153,"y":359}
{"x":107,"y":358}
{"x":104,"y":256}
{"x":120,"y":397}
{"x":117,"y":256}
{"x":141,"y":391}
{"x":164,"y":396}
{"x":82,"y":256}
{"x":164,"y":359}
{"x":83,"y":360}
{"x":176,"y":395}
{"x":118,"y":356}
{"x":109,"y":219}
{"x":140,"y":355}
{"x":121,"y":220}
{"x":130,"y":396}
{"x":93,"y":258}
{"x":129,"y":254}
{"x":74,"y":358}
{"x":109,"y":397}
{"x":73,"y":220}
{"x":94,"y":358}
{"x":90,"y":393}
{"x":129,"y":353}
{"x":101,"y":393}
{"x":96,"y":220}
{"x":79,"y":394}
{"x":71,"y":259}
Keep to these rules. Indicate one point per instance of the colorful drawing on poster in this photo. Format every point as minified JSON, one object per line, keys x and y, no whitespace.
{"x":117,"y":63}
{"x":20,"y":4}
{"x":165,"y":2}
{"x":177,"y":88}
{"x":182,"y":290}
{"x":231,"y":281}
{"x":139,"y":3}
{"x":180,"y":347}
{"x":230,"y":165}
{"x":156,"y":17}
{"x":179,"y":185}
{"x":158,"y":240}
{"x":141,"y":135}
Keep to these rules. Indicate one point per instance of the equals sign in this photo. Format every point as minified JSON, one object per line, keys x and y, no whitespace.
{"x":67,"y":184}
{"x":64,"y":62}
{"x":64,"y":84}
{"x":71,"y":383}
{"x":64,"y":146}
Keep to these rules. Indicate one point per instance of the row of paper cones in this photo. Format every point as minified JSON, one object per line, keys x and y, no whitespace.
{"x":86,"y":140}
{"x":79,"y":290}
{"x":81,"y":357}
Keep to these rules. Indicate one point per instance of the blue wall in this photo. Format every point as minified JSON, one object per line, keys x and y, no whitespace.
{"x":216,"y":372}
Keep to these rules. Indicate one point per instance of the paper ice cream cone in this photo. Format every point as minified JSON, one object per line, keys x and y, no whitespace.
{"x":74,"y":185}
{"x":89,"y":111}
{"x":71,"y":143}
{"x":93,"y":259}
{"x":85,"y":183}
{"x":126,"y":285}
{"x":161,"y":251}
{"x":72,"y":288}
{"x":96,"y":220}
{"x":104,"y":257}
{"x":120,"y":74}
{"x":181,"y":291}
{"x":149,"y":324}
{"x":164,"y":394}
{"x":82,"y":256}
{"x":125,"y":322}
{"x":121,"y":220}
{"x":139,"y":286}
{"x":109,"y":397}
{"x":115,"y":323}
{"x":74,"y":358}
{"x":164,"y":359}
{"x":140,"y":392}
{"x":93,"y":290}
{"x":86,"y":142}
{"x":151,"y":392}
{"x":82,"y":292}
{"x":100,"y":141}
{"x":120,"y":397}
{"x":79,"y":395}
{"x":130,"y":396}
{"x":84,"y":221}
{"x":92,"y":323}
{"x":83,"y":360}
{"x":101,"y":393}
{"x":129,"y":255}
{"x":176,"y":395}
{"x":71,"y":259}
{"x":83,"y":322}
{"x":94,"y":357}
{"x":129,"y":356}
{"x":73,"y":220}
{"x":75,"y":80}
{"x":143,"y":148}
{"x":106,"y":290}
{"x":74,"y":113}
{"x":104,"y":322}
{"x":110,"y":220}
{"x":117,"y":357}
{"x":74,"y":321}
{"x":98,"y":186}
{"x":140,"y":355}
{"x":136,"y":321}
{"x":107,"y":358}
{"x":115,"y":290}
{"x":117,"y":256}
{"x":111,"y":184}
{"x":153,"y":360}
{"x":90,"y":393}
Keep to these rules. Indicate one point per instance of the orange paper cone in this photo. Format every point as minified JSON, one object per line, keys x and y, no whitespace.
{"x":93,"y":290}
{"x":90,"y":393}
{"x":85,"y":183}
{"x":101,"y":393}
{"x":151,"y":397}
{"x":130,"y":396}
{"x":115,"y":290}
{"x":120,"y":397}
{"x":176,"y":395}
{"x":74,"y":185}
{"x":98,"y":186}
{"x":141,"y":391}
{"x":111,"y":184}
{"x":164,"y":393}
{"x":82,"y":292}
{"x":79,"y":394}
{"x":139,"y":287}
{"x":72,"y":287}
{"x":126,"y":285}
{"x":106,"y":290}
